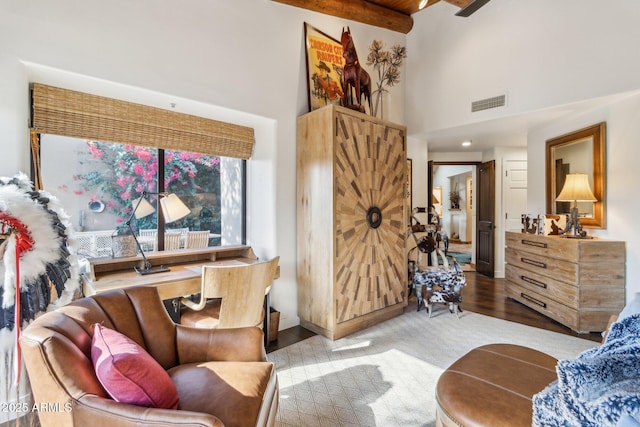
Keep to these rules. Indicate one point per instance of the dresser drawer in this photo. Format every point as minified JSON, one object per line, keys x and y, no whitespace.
{"x":551,"y":267}
{"x":543,"y":285}
{"x":555,"y":310}
{"x":553,"y":247}
{"x":602,"y":297}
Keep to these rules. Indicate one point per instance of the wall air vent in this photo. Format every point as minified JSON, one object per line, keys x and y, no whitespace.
{"x":487,"y":103}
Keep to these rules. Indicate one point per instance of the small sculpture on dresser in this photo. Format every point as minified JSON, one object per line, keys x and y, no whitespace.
{"x":531,"y":224}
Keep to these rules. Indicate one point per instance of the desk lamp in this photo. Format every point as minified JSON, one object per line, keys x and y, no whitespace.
{"x":576,"y":189}
{"x":172,"y":209}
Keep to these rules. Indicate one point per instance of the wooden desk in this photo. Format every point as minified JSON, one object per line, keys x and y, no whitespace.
{"x":184,"y":277}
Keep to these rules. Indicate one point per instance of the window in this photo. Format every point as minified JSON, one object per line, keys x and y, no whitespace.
{"x":97,"y":183}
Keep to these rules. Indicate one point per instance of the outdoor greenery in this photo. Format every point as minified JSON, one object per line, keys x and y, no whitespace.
{"x":118,"y":174}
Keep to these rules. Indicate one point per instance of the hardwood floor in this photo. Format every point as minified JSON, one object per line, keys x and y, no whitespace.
{"x":482,"y":295}
{"x":289,"y":336}
{"x":487,"y":296}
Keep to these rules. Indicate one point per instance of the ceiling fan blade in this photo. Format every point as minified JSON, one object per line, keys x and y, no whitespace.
{"x":471,"y":8}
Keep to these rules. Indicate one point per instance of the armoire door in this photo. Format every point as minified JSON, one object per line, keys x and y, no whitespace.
{"x":369,"y":218}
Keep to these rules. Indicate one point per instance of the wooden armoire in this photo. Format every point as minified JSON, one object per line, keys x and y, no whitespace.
{"x":351,"y":186}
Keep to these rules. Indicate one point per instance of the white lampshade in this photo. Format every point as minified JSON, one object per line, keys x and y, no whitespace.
{"x":173,"y":208}
{"x":576,"y":189}
{"x":143,"y":208}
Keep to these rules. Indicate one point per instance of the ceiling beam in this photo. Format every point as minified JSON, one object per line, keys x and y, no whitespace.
{"x":358,"y":10}
{"x":430,"y":3}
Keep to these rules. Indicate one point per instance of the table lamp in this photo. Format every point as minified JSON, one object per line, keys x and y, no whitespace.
{"x":172,"y":209}
{"x":576,"y":189}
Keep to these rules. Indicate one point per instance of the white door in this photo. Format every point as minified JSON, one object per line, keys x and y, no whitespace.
{"x":515,"y":193}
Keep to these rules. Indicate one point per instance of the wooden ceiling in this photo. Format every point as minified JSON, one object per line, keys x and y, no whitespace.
{"x":390,"y":14}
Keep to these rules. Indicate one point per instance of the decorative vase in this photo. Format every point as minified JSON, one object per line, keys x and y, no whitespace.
{"x":381,"y":98}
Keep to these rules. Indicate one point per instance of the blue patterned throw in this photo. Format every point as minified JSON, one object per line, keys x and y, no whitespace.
{"x":599,"y":388}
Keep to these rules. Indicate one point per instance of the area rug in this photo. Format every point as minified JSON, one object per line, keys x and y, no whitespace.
{"x":386,"y":375}
{"x":460,"y":257}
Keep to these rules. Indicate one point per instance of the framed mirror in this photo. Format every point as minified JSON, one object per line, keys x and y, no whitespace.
{"x":579,"y":152}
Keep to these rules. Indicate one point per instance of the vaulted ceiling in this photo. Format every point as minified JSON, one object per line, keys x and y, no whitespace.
{"x":390,"y":14}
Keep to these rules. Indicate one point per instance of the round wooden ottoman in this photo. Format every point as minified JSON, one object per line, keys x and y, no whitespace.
{"x":493,"y":385}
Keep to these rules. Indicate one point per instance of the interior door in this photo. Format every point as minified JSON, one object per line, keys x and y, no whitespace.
{"x":485,"y":226}
{"x":515,"y":194}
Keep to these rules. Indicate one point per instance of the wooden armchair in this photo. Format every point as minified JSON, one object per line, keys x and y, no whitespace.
{"x":231,"y":296}
{"x":172,"y":241}
{"x":197,"y":239}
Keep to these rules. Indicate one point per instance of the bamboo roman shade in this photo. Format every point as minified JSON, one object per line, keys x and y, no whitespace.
{"x":76,"y":114}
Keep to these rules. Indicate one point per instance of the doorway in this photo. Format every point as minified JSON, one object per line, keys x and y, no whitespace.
{"x":452,"y":186}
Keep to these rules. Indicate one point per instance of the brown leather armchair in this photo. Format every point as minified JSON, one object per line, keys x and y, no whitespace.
{"x":222,"y":375}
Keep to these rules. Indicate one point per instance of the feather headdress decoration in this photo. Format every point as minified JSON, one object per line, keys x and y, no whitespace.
{"x":35,"y":256}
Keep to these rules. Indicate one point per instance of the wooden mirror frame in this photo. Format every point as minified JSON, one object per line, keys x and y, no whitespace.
{"x":597,"y":134}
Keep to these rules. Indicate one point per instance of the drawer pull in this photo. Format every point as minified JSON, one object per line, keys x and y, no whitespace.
{"x":534,"y":282}
{"x":533,"y":243}
{"x":533,"y":300}
{"x":534,"y":262}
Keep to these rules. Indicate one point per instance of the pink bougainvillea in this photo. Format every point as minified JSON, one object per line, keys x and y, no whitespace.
{"x":120,"y":173}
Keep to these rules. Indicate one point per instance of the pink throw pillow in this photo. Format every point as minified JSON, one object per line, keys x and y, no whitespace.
{"x":129,"y":373}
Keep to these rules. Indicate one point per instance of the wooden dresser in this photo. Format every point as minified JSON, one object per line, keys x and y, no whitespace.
{"x":577,"y":282}
{"x":351,"y":222}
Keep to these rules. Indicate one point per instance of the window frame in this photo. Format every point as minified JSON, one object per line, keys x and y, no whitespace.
{"x":75,"y":114}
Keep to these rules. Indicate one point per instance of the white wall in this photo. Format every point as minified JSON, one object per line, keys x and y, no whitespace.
{"x":241,"y":61}
{"x":540,"y":53}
